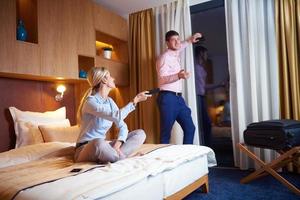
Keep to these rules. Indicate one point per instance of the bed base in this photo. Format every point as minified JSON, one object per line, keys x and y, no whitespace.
{"x":201,"y":182}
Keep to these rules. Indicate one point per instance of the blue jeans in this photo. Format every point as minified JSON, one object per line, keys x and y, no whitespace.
{"x":173,"y":107}
{"x":204,"y":121}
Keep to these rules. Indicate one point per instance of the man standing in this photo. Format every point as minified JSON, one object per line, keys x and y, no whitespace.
{"x":170,"y":102}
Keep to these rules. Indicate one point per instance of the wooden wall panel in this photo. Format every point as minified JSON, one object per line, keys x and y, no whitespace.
{"x":66,"y":29}
{"x":85,"y":27}
{"x":80,"y":90}
{"x":15,"y":56}
{"x":107,"y":22}
{"x":121,"y":52}
{"x":7,"y":35}
{"x":118,"y":70}
{"x":32,"y":96}
{"x":58,"y":38}
{"x":27,"y":58}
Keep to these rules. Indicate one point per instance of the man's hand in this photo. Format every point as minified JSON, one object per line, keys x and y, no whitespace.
{"x":183,"y":74}
{"x":195,"y":38}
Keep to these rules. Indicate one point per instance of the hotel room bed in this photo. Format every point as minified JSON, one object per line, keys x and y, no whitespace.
{"x":42,"y":171}
{"x":39,"y":167}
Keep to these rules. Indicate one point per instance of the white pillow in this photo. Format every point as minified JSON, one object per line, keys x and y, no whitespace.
{"x":29,"y":133}
{"x":35,"y":118}
{"x":39,"y":117}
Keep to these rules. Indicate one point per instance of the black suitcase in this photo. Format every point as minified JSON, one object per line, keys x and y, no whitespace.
{"x":273,"y":134}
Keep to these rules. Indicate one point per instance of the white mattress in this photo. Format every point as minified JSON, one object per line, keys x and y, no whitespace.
{"x":164,"y":184}
{"x":185,"y":174}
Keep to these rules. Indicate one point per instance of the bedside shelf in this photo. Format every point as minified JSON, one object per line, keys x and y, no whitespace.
{"x":120,"y":47}
{"x":41,"y":78}
{"x":106,"y":60}
{"x":26,"y":10}
{"x":85,"y":63}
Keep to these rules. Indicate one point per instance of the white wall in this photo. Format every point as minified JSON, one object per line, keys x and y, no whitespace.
{"x":125,"y":7}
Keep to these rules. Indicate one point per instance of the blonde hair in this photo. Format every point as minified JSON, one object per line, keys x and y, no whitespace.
{"x":94,"y":78}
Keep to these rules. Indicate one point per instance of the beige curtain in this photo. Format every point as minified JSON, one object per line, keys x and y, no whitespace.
{"x":288,"y":41}
{"x":143,"y":72}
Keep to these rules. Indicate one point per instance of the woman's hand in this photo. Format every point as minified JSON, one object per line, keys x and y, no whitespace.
{"x":117,"y":147}
{"x":141,"y":97}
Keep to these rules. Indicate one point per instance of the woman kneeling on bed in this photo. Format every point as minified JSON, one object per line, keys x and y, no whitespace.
{"x":96,"y":113}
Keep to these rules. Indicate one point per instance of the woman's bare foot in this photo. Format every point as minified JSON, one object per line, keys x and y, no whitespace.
{"x":137,"y":154}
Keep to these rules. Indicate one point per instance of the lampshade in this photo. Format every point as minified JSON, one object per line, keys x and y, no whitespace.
{"x":61,"y":89}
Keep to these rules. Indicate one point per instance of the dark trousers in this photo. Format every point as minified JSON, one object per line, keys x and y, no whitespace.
{"x":204,"y":121}
{"x":172,"y":107}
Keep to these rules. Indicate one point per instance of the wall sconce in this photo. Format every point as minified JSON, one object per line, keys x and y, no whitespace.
{"x":60,"y":89}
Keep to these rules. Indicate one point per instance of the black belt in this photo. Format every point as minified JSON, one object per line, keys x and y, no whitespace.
{"x":171,"y":92}
{"x":80,"y":144}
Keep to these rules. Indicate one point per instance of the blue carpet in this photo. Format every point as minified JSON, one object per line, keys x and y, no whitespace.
{"x":224,"y":183}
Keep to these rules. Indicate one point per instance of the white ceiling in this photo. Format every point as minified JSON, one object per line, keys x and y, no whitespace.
{"x":125,"y":7}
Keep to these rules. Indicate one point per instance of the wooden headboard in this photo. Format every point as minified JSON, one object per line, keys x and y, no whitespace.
{"x":30,"y":96}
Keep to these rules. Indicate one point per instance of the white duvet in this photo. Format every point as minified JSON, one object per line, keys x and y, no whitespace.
{"x":100,"y":182}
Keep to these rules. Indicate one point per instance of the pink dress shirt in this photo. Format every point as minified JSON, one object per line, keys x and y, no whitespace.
{"x":167,"y":67}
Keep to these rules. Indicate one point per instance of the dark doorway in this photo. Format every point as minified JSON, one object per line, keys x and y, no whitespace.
{"x":208,"y":18}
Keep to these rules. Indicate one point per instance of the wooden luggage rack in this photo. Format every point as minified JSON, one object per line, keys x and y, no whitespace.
{"x":290,"y":156}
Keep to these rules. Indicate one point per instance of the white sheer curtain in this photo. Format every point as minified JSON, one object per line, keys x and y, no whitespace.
{"x":253,"y":68}
{"x":176,"y":16}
